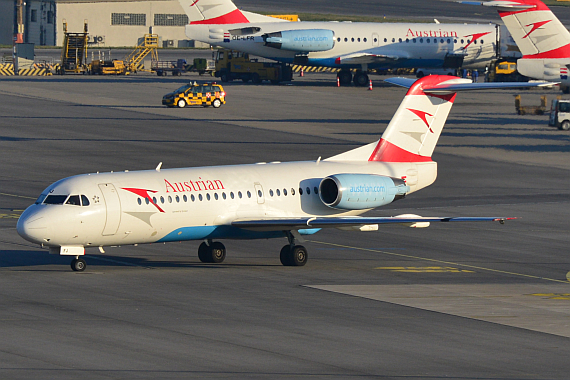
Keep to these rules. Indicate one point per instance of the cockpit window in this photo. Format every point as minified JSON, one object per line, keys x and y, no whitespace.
{"x":41,"y":198}
{"x":84,"y":200}
{"x":55,"y":199}
{"x":73,"y":200}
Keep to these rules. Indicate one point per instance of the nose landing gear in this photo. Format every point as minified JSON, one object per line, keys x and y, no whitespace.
{"x":78,"y":265}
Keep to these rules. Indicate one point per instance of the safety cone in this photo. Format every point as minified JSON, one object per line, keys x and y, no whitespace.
{"x":302,"y":73}
{"x":337,"y":81}
{"x":370,"y":85}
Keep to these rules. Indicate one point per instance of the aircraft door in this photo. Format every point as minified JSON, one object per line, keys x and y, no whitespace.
{"x":259,"y":193}
{"x":375,"y":39}
{"x":113,"y":205}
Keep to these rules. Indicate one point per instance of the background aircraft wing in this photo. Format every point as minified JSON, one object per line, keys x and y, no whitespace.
{"x":458,"y":84}
{"x":283,"y":224}
{"x":364,"y":57}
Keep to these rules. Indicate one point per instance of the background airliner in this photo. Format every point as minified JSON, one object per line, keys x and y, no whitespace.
{"x":258,"y":201}
{"x":541,"y":38}
{"x":343,"y":45}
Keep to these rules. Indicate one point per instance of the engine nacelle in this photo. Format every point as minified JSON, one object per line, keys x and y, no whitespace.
{"x":360,"y":191}
{"x":302,"y":41}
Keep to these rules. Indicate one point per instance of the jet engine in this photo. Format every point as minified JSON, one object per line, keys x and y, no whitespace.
{"x":302,"y":41}
{"x":360,"y":191}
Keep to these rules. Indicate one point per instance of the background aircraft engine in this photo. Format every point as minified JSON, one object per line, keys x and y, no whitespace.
{"x":360,"y":191}
{"x":302,"y":41}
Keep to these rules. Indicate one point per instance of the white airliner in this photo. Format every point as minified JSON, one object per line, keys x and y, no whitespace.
{"x":342,"y":45}
{"x":258,"y":201}
{"x":541,"y":38}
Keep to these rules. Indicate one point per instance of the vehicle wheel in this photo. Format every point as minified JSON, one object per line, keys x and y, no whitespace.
{"x":299,"y":256}
{"x":159,"y":73}
{"x":225,"y":77}
{"x":344,"y":77}
{"x":285,"y":256}
{"x":361,"y":79}
{"x":78,"y":265}
{"x":204,"y":253}
{"x":255,"y":78}
{"x":565,"y":125}
{"x":420,"y":74}
{"x":181,"y":103}
{"x":216,"y":103}
{"x":217,"y":252}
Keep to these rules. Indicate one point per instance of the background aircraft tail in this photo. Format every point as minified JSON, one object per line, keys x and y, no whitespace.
{"x":535,"y":29}
{"x":218,"y":12}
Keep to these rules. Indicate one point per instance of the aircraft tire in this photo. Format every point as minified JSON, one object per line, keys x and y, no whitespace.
{"x":216,"y":103}
{"x":203,"y":253}
{"x":285,"y":256}
{"x":361,"y":79}
{"x":217,"y":252}
{"x":181,"y":103}
{"x":78,"y":265}
{"x":344,"y":77}
{"x":299,"y":256}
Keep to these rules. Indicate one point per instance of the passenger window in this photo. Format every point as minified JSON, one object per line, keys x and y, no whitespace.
{"x":421,"y":40}
{"x":138,"y":201}
{"x":216,"y":196}
{"x":177,"y":199}
{"x":169,"y":199}
{"x":271,"y":192}
{"x":224,"y":195}
{"x":193,"y":198}
{"x":393,"y":40}
{"x":358,"y":39}
{"x":232,"y":195}
{"x":316,"y":190}
{"x":385,"y":40}
{"x":248,"y":194}
{"x":154,"y":200}
{"x":308,"y":191}
{"x":278,"y":192}
{"x":208,"y":196}
{"x":365,"y":39}
{"x":73,"y":200}
{"x":345,"y":39}
{"x":239,"y":194}
{"x":292,"y":191}
{"x":285,"y":192}
{"x":338,"y":39}
{"x":427,"y":41}
{"x":55,"y":199}
{"x":200,"y":197}
{"x":482,"y":42}
{"x":259,"y":193}
{"x":300,"y":191}
{"x":146,"y":201}
{"x":185,"y":198}
{"x":161,"y":199}
{"x":352,"y":39}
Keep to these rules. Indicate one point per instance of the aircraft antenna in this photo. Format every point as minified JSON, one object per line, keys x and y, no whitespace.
{"x":158,"y":166}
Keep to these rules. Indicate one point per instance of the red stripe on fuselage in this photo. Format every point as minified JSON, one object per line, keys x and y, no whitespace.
{"x":234,"y":17}
{"x":388,"y":152}
{"x":144,"y":194}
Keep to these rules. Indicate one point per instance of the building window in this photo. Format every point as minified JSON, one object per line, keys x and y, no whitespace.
{"x":161,"y":19}
{"x":128,"y":19}
{"x":34,"y":15}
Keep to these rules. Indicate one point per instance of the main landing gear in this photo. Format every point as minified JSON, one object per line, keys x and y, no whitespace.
{"x":78,"y":265}
{"x":212,"y":252}
{"x":360,"y":78}
{"x":293,"y":255}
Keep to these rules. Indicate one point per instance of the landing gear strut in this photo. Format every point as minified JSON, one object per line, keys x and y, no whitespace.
{"x":212,"y":252}
{"x":78,"y":265}
{"x":293,"y":255}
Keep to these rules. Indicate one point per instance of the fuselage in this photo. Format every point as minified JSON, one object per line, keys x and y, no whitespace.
{"x":103,"y":209}
{"x":405,"y":45}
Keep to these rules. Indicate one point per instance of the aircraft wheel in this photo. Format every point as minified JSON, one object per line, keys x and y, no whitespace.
{"x":299,"y":256}
{"x":344,"y":77}
{"x":216,"y":103}
{"x":565,"y":125}
{"x":78,"y":265}
{"x":181,"y":103}
{"x":203,"y":253}
{"x":217,"y":252}
{"x":361,"y":79}
{"x":285,"y":256}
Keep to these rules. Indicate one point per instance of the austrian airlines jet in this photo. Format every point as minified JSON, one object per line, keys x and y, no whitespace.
{"x":342,"y":45}
{"x":541,"y":38}
{"x":257,"y":201}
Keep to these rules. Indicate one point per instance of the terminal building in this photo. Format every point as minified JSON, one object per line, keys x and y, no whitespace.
{"x":112,"y":23}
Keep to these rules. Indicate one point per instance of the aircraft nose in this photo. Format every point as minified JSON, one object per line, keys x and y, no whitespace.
{"x":32,"y":225}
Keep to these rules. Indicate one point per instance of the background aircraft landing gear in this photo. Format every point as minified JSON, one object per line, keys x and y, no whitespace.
{"x":78,"y":265}
{"x":213,"y":252}
{"x":344,"y":77}
{"x":293,"y":255}
{"x":361,"y":79}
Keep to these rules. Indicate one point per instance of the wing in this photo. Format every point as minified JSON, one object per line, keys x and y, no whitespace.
{"x":285,"y":224}
{"x":363,"y":57}
{"x":458,"y":84}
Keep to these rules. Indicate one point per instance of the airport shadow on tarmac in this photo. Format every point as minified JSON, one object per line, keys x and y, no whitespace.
{"x":39,"y":260}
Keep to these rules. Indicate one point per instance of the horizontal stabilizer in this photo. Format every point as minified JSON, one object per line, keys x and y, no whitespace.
{"x":507,"y":5}
{"x":455,"y":85}
{"x":284,"y":224}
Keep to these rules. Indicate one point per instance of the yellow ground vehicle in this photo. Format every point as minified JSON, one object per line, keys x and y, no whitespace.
{"x":116,"y":67}
{"x":206,"y":94}
{"x":504,"y":71}
{"x":232,"y":65}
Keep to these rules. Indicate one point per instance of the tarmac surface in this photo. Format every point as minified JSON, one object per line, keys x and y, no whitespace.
{"x":461,"y":301}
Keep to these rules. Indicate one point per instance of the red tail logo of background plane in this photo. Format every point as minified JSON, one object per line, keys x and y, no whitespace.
{"x":144,"y":194}
{"x":475,"y":36}
{"x":535,"y":26}
{"x":422,"y":115}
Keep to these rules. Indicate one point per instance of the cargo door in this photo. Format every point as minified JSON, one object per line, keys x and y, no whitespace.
{"x":113,"y":207}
